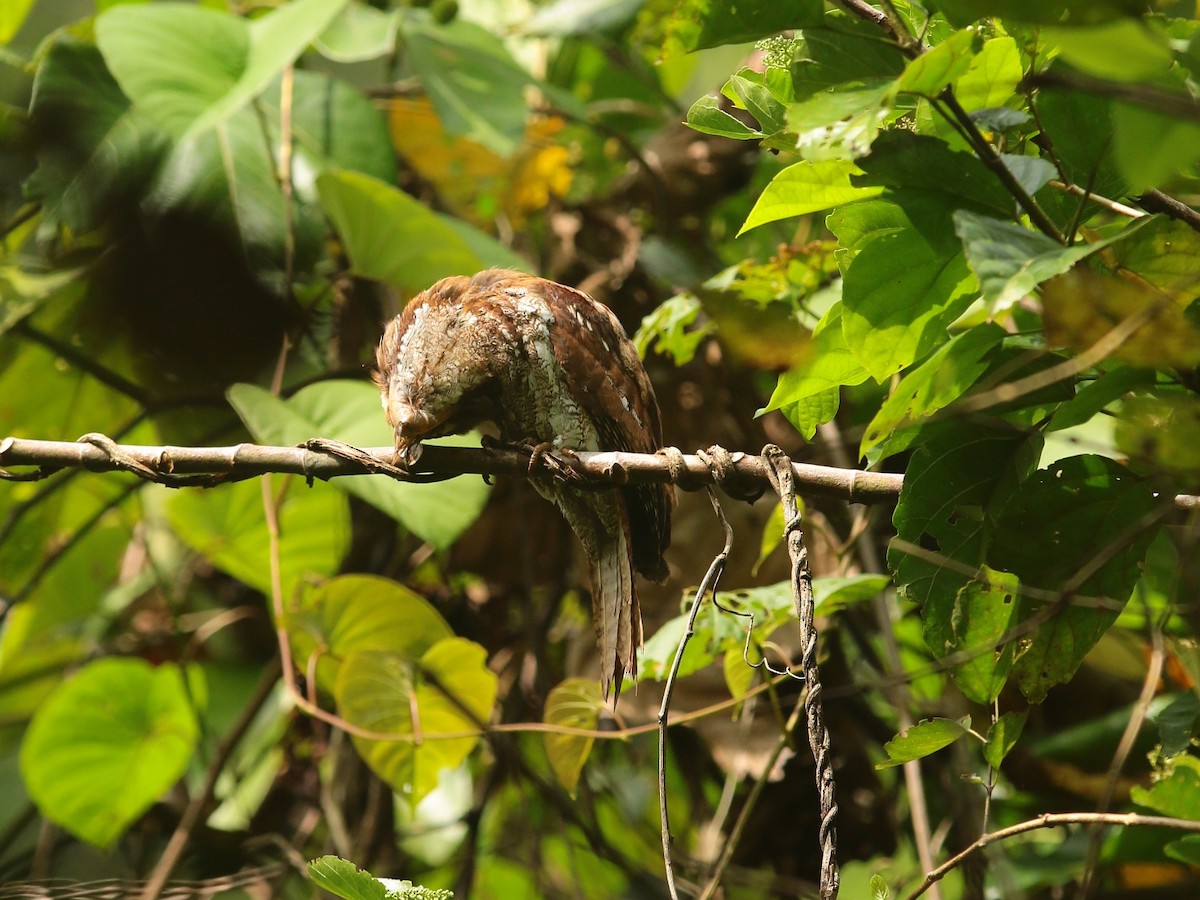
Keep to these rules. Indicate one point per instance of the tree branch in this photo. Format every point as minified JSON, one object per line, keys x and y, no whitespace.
{"x":244,"y":461}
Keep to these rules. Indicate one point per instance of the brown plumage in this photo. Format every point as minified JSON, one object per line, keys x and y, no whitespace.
{"x":546,"y":364}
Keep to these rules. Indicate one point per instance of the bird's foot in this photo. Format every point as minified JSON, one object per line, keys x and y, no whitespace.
{"x":555,"y":460}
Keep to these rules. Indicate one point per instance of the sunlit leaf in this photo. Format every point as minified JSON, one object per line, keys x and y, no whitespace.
{"x":361,"y":612}
{"x":991,"y":77}
{"x":1178,"y":794}
{"x":807,"y":187}
{"x":681,"y":27}
{"x":107,"y":744}
{"x":921,"y":740}
{"x":934,"y":384}
{"x":575,"y":703}
{"x":449,"y":690}
{"x":937,"y":67}
{"x":344,"y":879}
{"x":359,"y":33}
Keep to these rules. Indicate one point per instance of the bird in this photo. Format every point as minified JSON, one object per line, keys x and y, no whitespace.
{"x":552,"y":369}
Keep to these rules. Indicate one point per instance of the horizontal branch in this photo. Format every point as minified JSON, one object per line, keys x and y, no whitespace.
{"x":249,"y":460}
{"x":172,"y":464}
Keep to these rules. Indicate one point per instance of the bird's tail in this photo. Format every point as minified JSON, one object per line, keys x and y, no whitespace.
{"x":616,"y":615}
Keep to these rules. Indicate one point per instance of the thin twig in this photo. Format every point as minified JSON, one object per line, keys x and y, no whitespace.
{"x":1137,"y":718}
{"x":707,"y":585}
{"x":1053,"y":820}
{"x":739,"y":826}
{"x":191,"y":815}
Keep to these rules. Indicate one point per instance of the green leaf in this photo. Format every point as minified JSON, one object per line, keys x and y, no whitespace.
{"x":349,"y":411}
{"x":344,"y":879}
{"x":1186,"y":850}
{"x":1150,"y":148}
{"x":681,"y":27}
{"x":760,"y":95}
{"x":803,"y":394}
{"x":1076,"y":12}
{"x":1003,"y":736}
{"x":807,"y":187}
{"x":106,"y":150}
{"x":879,"y":888}
{"x":772,"y":534}
{"x":450,"y":690}
{"x":937,"y":67}
{"x":669,"y":329}
{"x":1011,"y":260}
{"x":12,"y":17}
{"x":707,"y":117}
{"x":1163,"y":252}
{"x":923,"y":739}
{"x":359,"y":33}
{"x":916,"y":164}
{"x":984,"y":611}
{"x":933,"y":385}
{"x":476,"y":86}
{"x":1080,"y":127}
{"x":107,"y":744}
{"x":190,"y":68}
{"x":227,"y":526}
{"x":1177,"y":723}
{"x":842,"y":123}
{"x":953,"y":478}
{"x":361,"y":612}
{"x":391,"y":237}
{"x":1098,"y":394}
{"x":992,"y":77}
{"x":899,"y":295}
{"x":575,"y":703}
{"x":1052,"y":529}
{"x":1121,"y":50}
{"x":1176,"y":795}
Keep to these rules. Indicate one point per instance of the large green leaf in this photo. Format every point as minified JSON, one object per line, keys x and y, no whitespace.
{"x":1121,"y":50}
{"x":349,"y":411}
{"x":190,"y":68}
{"x":344,"y":879}
{"x":107,"y":744}
{"x":937,"y":382}
{"x":391,"y":237}
{"x":449,"y":690}
{"x":1082,"y":526}
{"x":1011,"y":260}
{"x":227,"y":525}
{"x":361,"y":612}
{"x":102,"y":147}
{"x":807,"y":187}
{"x":954,"y":478}
{"x":476,"y":86}
{"x":992,"y":76}
{"x":899,"y":294}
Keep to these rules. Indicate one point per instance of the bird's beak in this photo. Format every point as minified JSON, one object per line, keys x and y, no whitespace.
{"x":410,"y":425}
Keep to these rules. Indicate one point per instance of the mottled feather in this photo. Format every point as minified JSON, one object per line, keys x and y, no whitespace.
{"x":543,"y":363}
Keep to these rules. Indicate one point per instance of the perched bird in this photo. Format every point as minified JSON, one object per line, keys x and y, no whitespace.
{"x":547,"y":365}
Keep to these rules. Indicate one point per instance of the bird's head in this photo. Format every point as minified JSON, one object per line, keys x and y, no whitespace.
{"x":432,"y":356}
